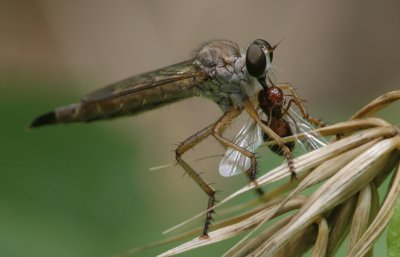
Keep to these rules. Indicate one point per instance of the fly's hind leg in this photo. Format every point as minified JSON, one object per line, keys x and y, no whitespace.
{"x":217,"y":130}
{"x":299,"y":103}
{"x":207,"y":188}
{"x":271,"y":134}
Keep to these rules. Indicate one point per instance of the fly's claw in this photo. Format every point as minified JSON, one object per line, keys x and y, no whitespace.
{"x":322,"y":123}
{"x":209,"y":218}
{"x":293,"y":177}
{"x":260,"y":191}
{"x":204,"y":237}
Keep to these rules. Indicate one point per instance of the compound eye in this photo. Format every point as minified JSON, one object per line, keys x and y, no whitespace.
{"x":256,"y":61}
{"x":267,"y":46}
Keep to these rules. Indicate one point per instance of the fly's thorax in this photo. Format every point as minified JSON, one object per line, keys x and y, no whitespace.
{"x":225,"y":64}
{"x":216,"y":53}
{"x":226,"y":95}
{"x":221,"y":60}
{"x":230,"y":91}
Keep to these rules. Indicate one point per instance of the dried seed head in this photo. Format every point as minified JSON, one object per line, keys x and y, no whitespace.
{"x":346,"y":202}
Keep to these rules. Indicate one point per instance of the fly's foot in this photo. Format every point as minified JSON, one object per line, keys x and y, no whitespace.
{"x":252,"y":175}
{"x":293,"y":176}
{"x":209,"y":219}
{"x":204,"y":237}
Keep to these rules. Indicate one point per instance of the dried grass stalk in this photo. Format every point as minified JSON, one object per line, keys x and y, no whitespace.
{"x":321,"y":244}
{"x":361,"y":217}
{"x":346,"y":203}
{"x":381,"y":220}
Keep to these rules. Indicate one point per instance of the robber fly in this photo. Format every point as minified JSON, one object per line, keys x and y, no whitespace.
{"x":218,"y":70}
{"x":278,"y":115}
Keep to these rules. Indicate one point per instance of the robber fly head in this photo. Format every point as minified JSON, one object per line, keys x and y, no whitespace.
{"x":258,"y":59}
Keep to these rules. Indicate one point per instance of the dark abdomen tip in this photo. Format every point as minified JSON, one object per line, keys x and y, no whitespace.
{"x":45,"y":119}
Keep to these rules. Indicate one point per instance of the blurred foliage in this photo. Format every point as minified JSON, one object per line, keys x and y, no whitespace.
{"x":394,"y":233}
{"x":63,"y":192}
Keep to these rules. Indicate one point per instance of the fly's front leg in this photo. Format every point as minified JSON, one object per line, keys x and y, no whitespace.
{"x":286,"y":151}
{"x":217,"y":130}
{"x":207,"y":188}
{"x":299,"y":103}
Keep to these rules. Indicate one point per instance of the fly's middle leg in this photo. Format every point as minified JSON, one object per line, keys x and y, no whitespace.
{"x":207,"y":188}
{"x":217,"y":130}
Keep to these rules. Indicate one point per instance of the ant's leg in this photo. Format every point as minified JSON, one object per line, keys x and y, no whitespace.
{"x":286,"y":151}
{"x":286,"y":110}
{"x":299,"y":103}
{"x":217,"y":130}
{"x":207,"y":188}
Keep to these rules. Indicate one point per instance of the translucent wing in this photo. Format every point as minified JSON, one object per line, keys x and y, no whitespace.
{"x":139,"y":93}
{"x":250,"y":138}
{"x":174,"y":73}
{"x":298,"y":124}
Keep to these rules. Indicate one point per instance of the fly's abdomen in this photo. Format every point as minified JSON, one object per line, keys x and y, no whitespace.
{"x":133,"y":95}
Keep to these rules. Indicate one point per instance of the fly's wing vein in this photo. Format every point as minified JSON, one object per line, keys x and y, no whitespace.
{"x":249,"y":138}
{"x":139,"y":93}
{"x":299,"y":125}
{"x":174,"y":73}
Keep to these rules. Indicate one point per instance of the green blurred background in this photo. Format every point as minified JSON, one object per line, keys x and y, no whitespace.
{"x":85,"y":189}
